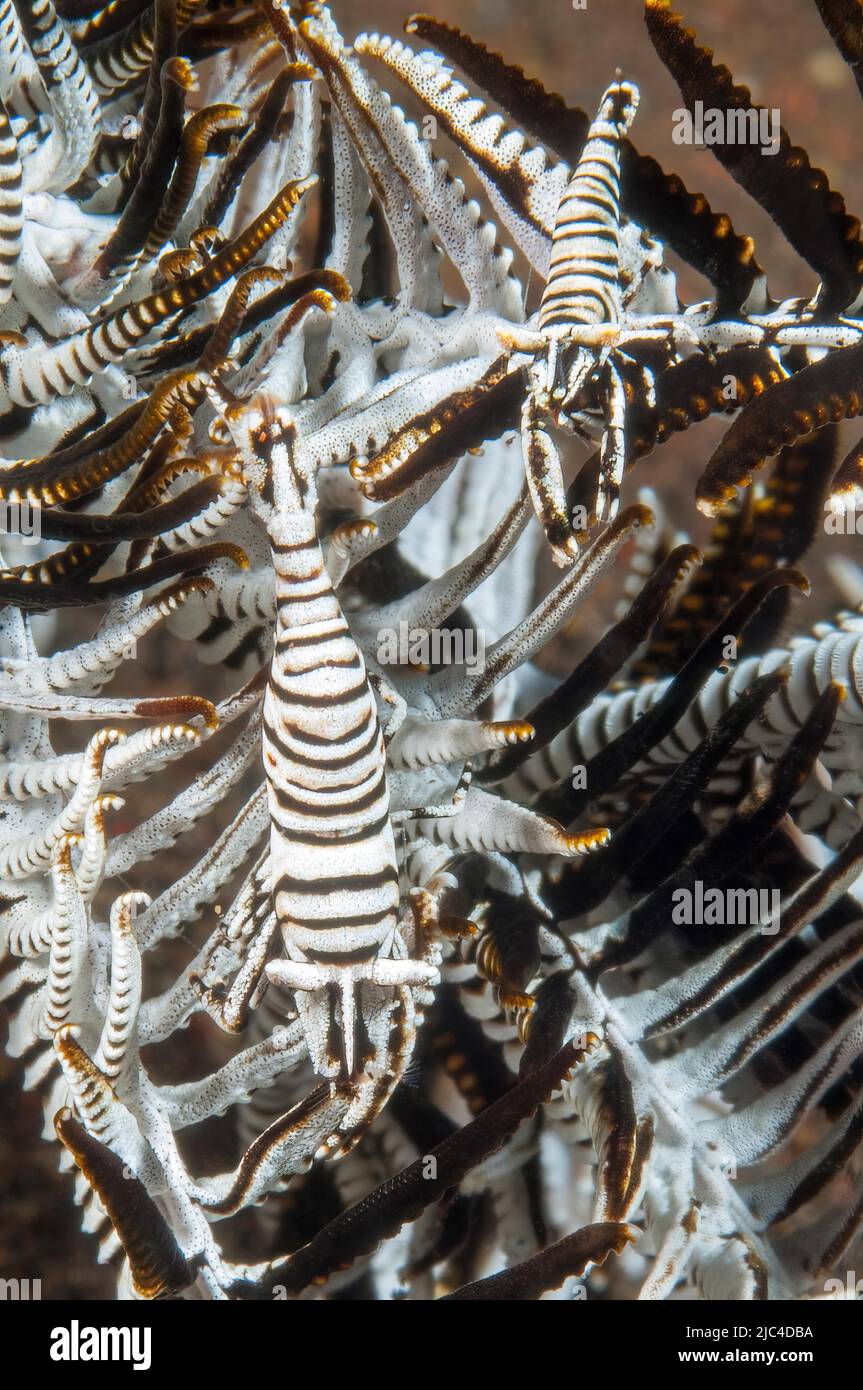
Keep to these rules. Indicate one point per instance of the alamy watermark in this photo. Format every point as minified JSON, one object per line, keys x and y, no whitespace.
{"x":77,"y":1343}
{"x":20,"y":1290}
{"x":428,"y":647}
{"x":850,"y":1287}
{"x":739,"y":125}
{"x":727,"y":907}
{"x":842,"y":519}
{"x":21,"y":519}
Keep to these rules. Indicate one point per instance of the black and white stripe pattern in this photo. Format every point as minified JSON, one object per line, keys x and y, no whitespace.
{"x":11,"y":206}
{"x":581,"y":327}
{"x":17,"y":67}
{"x":118,"y":58}
{"x":835,"y":653}
{"x":333,"y":862}
{"x":582,"y":284}
{"x":35,"y":374}
{"x":75,"y":108}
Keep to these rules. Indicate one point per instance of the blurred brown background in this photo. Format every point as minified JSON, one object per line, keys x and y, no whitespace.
{"x":777,"y":47}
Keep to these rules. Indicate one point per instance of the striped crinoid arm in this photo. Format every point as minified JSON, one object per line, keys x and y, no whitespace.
{"x":254,"y":142}
{"x":29,"y":590}
{"x":118,"y":58}
{"x":415,"y":270}
{"x":157,"y":1267}
{"x":818,"y":396}
{"x":464,"y":419}
{"x":201,"y":128}
{"x":164,"y":48}
{"x":18,"y":62}
{"x":773,"y":525}
{"x":148,"y":182}
{"x":11,"y":206}
{"x":75,"y":108}
{"x":658,"y":201}
{"x":32,"y":375}
{"x":58,"y":479}
{"x":92,"y":663}
{"x":506,"y":161}
{"x":653,"y":716}
{"x":470,"y":243}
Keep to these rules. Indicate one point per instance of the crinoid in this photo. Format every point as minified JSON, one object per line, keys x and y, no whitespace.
{"x":452,"y":978}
